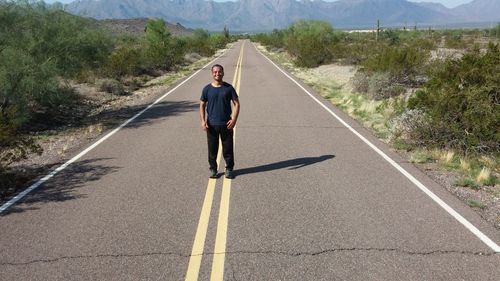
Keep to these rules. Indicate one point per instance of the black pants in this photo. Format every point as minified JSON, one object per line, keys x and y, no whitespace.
{"x":226,"y":136}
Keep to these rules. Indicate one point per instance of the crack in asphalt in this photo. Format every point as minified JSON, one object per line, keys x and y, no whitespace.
{"x":94,"y":256}
{"x":354,"y":249}
{"x":291,"y":254}
{"x":297,"y":254}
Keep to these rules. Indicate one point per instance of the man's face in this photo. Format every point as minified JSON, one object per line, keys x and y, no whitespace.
{"x":217,"y":74}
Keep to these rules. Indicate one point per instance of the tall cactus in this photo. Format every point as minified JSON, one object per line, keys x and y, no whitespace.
{"x":378,"y":29}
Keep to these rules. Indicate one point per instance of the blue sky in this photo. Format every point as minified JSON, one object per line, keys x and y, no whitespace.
{"x":447,"y":3}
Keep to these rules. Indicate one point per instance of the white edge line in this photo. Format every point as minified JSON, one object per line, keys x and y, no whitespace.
{"x":422,"y":187}
{"x":32,"y":187}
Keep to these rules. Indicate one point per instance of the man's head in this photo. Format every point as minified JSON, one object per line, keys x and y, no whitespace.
{"x":217,"y":72}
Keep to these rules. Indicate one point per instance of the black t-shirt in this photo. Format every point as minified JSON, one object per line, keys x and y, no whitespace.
{"x":219,"y":103}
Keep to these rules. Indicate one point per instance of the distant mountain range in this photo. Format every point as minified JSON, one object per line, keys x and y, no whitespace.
{"x":264,"y":15}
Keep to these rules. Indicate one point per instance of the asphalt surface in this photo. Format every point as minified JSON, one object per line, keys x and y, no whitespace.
{"x":310,"y":201}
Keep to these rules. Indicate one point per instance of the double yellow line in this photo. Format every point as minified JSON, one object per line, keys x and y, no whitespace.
{"x":219,"y":254}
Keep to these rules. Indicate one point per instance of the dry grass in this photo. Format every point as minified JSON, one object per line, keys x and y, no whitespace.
{"x":95,"y":128}
{"x":369,"y":106}
{"x":447,"y":157}
{"x":465,"y":164}
{"x":484,"y":177}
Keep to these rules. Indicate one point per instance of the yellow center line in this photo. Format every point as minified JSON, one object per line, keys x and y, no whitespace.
{"x":221,"y":237}
{"x":201,"y":232}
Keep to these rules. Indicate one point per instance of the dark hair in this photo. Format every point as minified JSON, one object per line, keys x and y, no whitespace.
{"x":217,"y":65}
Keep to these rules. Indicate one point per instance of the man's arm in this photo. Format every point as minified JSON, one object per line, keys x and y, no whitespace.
{"x":236,"y":112}
{"x":203,"y":120}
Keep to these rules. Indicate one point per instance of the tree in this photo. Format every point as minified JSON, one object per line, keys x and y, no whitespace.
{"x":310,"y":42}
{"x":162,"y":50}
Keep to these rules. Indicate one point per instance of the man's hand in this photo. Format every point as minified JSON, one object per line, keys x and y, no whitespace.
{"x":204,"y":125}
{"x":230,"y":124}
{"x":203,"y":120}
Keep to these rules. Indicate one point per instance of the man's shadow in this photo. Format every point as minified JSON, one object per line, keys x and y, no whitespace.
{"x":291,"y":164}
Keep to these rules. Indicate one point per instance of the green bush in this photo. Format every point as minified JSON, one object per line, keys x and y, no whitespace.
{"x":461,"y":101}
{"x":310,"y":42}
{"x":454,"y":39}
{"x":392,"y":36}
{"x":125,"y":60}
{"x":352,"y":53}
{"x":275,"y":39}
{"x":38,"y":47}
{"x":162,"y":50}
{"x":200,"y":43}
{"x":24,"y":83}
{"x":219,"y":41}
{"x":404,"y":64}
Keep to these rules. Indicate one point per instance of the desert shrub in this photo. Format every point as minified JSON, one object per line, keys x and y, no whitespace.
{"x":162,"y":50}
{"x":392,"y":36}
{"x":124,"y":60}
{"x":360,"y":82}
{"x":411,"y":129}
{"x":404,"y":64}
{"x":275,"y":39}
{"x":111,"y":86}
{"x":70,"y":42}
{"x":24,"y":83}
{"x":353,"y":52}
{"x":461,"y":100}
{"x":494,"y":33}
{"x":199,"y":42}
{"x":220,"y":40}
{"x":424,"y":43}
{"x":310,"y":42}
{"x":381,"y":86}
{"x":376,"y":86}
{"x":454,"y":39}
{"x":39,"y":45}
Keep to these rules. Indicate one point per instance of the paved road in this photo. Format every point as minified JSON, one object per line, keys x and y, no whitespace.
{"x":311,"y":200}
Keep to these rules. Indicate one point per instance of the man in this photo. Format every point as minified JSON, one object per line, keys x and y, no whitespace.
{"x":218,"y":119}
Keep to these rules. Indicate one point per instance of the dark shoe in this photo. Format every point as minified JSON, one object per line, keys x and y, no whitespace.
{"x":213,"y":173}
{"x":229,"y":174}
